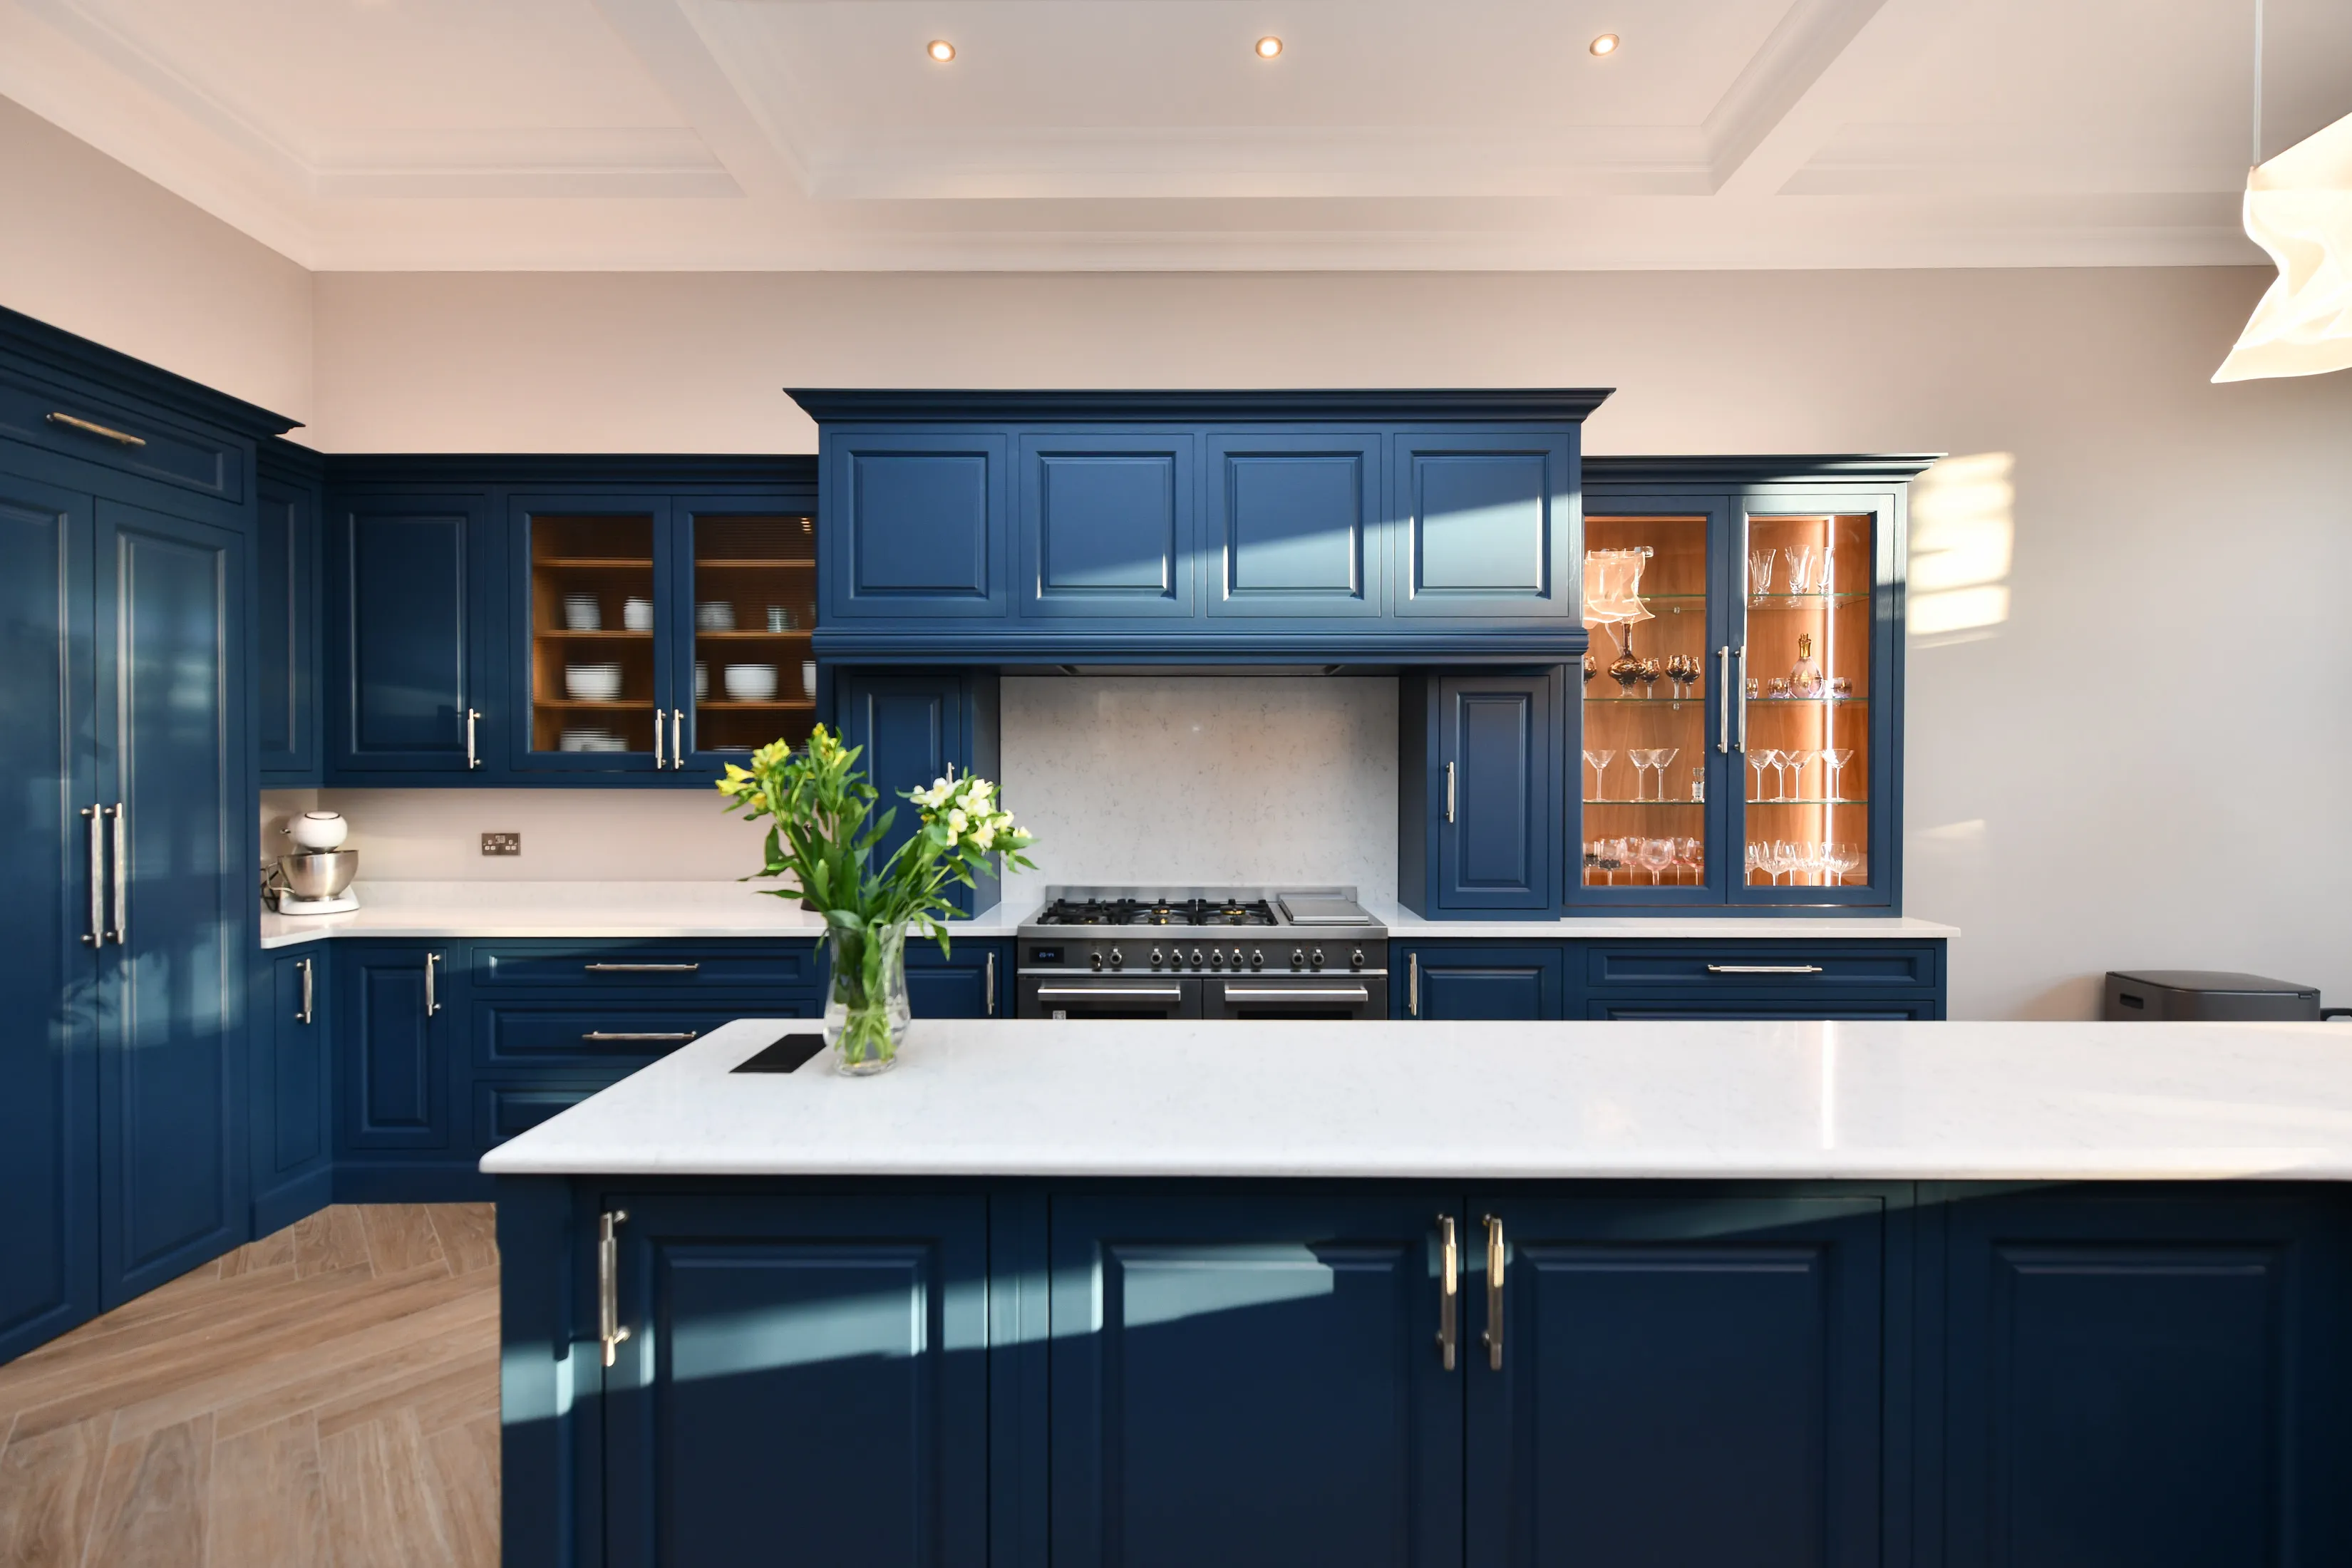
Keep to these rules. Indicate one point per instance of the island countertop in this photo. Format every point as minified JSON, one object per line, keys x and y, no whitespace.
{"x":1702,"y":1098}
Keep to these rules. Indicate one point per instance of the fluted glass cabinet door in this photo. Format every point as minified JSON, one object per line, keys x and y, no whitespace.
{"x":1652,"y":766}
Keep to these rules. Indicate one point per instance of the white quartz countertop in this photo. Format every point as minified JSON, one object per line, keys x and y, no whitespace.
{"x":1461,"y":1101}
{"x":490,"y":909}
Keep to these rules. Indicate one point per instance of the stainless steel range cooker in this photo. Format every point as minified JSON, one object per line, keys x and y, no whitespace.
{"x":1202,"y":952}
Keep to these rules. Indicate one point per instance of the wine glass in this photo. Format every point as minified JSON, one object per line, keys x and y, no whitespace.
{"x":1760,"y":573}
{"x":1692,"y":853}
{"x":1648,"y":675}
{"x":1837,"y":757}
{"x":1600,"y":760}
{"x":1800,"y":568}
{"x":1757,"y":853}
{"x":1841,"y":860}
{"x":1641,"y":759}
{"x":1657,"y":854}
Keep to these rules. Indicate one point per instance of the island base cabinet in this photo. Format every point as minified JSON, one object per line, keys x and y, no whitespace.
{"x":804,"y":1380}
{"x":1254,"y":1381}
{"x":1676,"y":1381}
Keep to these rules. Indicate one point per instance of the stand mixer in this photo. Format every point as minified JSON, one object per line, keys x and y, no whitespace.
{"x":315,"y":877}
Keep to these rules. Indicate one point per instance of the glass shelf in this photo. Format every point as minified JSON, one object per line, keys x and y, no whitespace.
{"x":1812,"y":800}
{"x":1652,"y":701}
{"x":1808,"y":702}
{"x":1612,"y":801}
{"x":1799,"y":601}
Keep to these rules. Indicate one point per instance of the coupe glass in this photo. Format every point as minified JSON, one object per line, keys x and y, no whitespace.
{"x":1657,"y":854}
{"x":1837,"y":757}
{"x":1641,"y":760}
{"x":1798,"y":761}
{"x":1800,"y":568}
{"x":1600,"y":762}
{"x":1760,"y":759}
{"x":1662,"y":759}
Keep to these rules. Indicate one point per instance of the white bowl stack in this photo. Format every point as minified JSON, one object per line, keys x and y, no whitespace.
{"x":752,"y":682}
{"x":591,"y":682}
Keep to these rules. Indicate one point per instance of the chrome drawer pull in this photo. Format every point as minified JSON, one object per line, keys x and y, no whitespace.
{"x":1493,"y":1334}
{"x":1296,"y":993}
{"x":641,"y":968}
{"x":1449,"y":1291}
{"x":1723,"y":700}
{"x":306,"y":1014}
{"x":96,"y":935}
{"x":991,"y":985}
{"x":432,"y":1002}
{"x":1412,"y":984}
{"x":1763,"y":969}
{"x":104,"y":432}
{"x":628,"y":1034}
{"x":473,"y":755}
{"x":1084,"y":992}
{"x":122,"y":932}
{"x":609,"y":1328}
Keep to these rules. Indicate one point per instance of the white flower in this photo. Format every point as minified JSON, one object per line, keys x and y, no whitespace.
{"x":984,"y":836}
{"x":981,"y":789}
{"x":957,"y":821}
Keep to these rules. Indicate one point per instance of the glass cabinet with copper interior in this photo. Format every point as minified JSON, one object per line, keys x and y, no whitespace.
{"x":749,"y":592}
{"x":1738,"y":733}
{"x":596,"y":676}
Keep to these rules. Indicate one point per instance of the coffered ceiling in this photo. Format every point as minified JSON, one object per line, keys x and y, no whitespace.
{"x":1147,"y":134}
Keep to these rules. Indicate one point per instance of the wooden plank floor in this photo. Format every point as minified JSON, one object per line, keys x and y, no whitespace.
{"x":325,"y":1397}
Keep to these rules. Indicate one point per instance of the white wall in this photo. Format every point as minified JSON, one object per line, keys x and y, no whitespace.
{"x":99,"y":250}
{"x":2141,"y":765}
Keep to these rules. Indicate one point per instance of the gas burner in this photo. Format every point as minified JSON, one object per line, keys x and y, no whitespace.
{"x":1158,"y":912}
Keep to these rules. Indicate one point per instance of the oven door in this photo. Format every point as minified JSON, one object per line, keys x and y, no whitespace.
{"x":1104,"y":996}
{"x":1351,"y":994}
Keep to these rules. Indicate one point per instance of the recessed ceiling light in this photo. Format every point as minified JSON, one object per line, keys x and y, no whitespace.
{"x":1606,"y":43}
{"x":940,"y":50}
{"x":1268,"y":46}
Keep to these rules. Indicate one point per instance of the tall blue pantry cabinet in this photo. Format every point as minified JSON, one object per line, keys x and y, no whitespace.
{"x":127,"y":501}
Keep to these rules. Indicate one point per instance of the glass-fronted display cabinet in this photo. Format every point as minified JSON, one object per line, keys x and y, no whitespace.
{"x":662,"y":634}
{"x":1733,"y":748}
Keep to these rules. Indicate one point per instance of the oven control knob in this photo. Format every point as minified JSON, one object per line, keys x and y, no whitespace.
{"x":1257,"y":958}
{"x":1118,"y":959}
{"x":1298,"y":959}
{"x":1315,"y":959}
{"x":1157,"y":958}
{"x":1217,"y":957}
{"x":1097,"y":961}
{"x":1355,"y":959}
{"x":1196,"y":958}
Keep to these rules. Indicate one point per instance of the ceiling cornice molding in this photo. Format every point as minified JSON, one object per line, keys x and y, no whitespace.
{"x":1439,"y":404}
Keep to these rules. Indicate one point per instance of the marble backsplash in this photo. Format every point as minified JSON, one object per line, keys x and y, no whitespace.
{"x":1126,"y":779}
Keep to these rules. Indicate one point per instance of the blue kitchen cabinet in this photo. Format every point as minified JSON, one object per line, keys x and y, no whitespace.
{"x":49,"y":1053}
{"x":412,"y":665}
{"x":1106,"y":523}
{"x":912,"y":729}
{"x":1456,"y":981}
{"x":398,"y":1017}
{"x":719,"y":1450}
{"x":293,"y":1114}
{"x":974,"y":980}
{"x":1295,"y":523}
{"x":2144,"y":1377}
{"x":914,"y":524}
{"x":1647,"y":1386}
{"x":1251,"y":1380}
{"x":601,"y":551}
{"x":1479,"y":781}
{"x":1485,"y":523}
{"x":286,"y":551}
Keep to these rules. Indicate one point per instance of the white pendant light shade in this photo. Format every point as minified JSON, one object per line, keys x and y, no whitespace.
{"x":2299,"y":209}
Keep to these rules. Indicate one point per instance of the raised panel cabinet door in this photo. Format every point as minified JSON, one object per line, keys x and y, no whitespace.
{"x":1484,"y":525}
{"x":405,"y":585}
{"x":1253,"y":1380}
{"x":913,"y":728}
{"x":805,"y":1380}
{"x":1494,"y":795}
{"x":392,"y":1039}
{"x":285,"y":635}
{"x":175,"y":769}
{"x":1681,"y":1381}
{"x":2148,"y":1376}
{"x":973,"y":981}
{"x":1456,"y":982}
{"x":1106,"y":523}
{"x":1294,"y":523}
{"x":295,"y":1118}
{"x":913,"y":524}
{"x":49,"y":1059}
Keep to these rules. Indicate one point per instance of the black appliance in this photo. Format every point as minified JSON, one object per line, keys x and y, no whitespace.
{"x":2210,"y":995}
{"x":1202,"y":952}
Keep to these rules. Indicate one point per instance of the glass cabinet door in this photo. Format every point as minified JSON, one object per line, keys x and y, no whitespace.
{"x":1805,"y":720}
{"x":751,"y":587}
{"x":1649,"y":760}
{"x":596,"y":678}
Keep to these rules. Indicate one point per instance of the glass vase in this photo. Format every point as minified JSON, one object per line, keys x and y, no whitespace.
{"x":865,"y":1009}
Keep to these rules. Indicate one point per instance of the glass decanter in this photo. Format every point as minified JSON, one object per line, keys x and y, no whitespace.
{"x":1806,"y":679}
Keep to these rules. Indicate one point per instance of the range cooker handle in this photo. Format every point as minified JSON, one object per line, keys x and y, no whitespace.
{"x":1085,"y":992}
{"x":1296,"y":993}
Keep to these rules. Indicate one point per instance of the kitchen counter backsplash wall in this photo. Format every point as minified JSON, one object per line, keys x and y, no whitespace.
{"x":1125,"y":779}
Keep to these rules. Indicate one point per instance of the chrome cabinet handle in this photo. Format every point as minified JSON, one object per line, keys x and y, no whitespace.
{"x":641,"y":968}
{"x":991,"y":985}
{"x":1493,"y":1338}
{"x":1723,"y":699}
{"x":96,"y":935}
{"x":1084,"y":992}
{"x":432,"y":1003}
{"x":473,"y":758}
{"x":1740,"y":745}
{"x":1449,"y":1290}
{"x":658,"y":717}
{"x":1763,"y":969}
{"x":104,"y":432}
{"x":122,"y":932}
{"x":676,"y":735}
{"x":305,"y":1015}
{"x":1449,"y":792}
{"x":1296,"y":993}
{"x":1413,"y":985}
{"x":604,"y":1034}
{"x":609,"y":1328}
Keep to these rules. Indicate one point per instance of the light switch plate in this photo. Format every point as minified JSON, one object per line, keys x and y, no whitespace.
{"x":501,"y":843}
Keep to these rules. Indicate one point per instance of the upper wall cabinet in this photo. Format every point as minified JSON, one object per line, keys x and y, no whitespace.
{"x":1054,"y":527}
{"x":286,"y":617}
{"x":413,"y":579}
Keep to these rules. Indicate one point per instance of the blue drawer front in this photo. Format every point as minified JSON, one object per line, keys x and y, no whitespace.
{"x":1762,"y":966}
{"x":504,"y":1111}
{"x":597,"y":1034}
{"x":192,"y":458}
{"x":743,"y":965}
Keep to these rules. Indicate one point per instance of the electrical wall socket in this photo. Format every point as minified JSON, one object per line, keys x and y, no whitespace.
{"x":501,"y":843}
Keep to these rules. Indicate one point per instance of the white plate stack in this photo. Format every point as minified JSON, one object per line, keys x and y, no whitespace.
{"x":581,"y":612}
{"x":714,"y":616}
{"x":591,"y":682}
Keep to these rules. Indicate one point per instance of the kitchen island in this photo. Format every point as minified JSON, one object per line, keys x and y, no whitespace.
{"x":1704,"y":1292}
